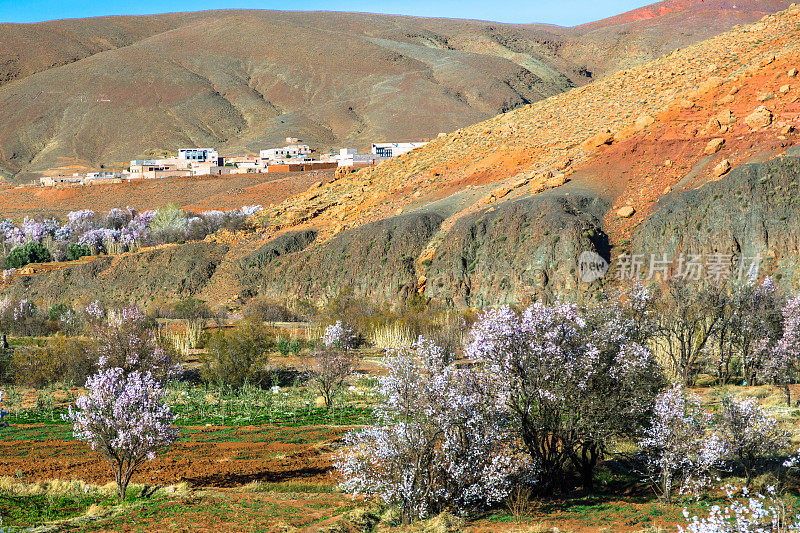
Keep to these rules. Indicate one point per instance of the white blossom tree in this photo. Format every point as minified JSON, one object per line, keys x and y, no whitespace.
{"x":748,"y":433}
{"x":677,"y":449}
{"x":126,"y":418}
{"x":763,"y":512}
{"x":329,"y":368}
{"x":781,"y":361}
{"x":340,"y":335}
{"x":573,"y":380}
{"x":754,"y":313}
{"x":438,"y":443}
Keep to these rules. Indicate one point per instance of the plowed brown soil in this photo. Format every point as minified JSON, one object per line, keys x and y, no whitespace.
{"x":203,"y":193}
{"x":206,"y":459}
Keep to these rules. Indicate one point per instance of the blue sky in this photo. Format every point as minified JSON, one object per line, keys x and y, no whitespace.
{"x":564,"y":12}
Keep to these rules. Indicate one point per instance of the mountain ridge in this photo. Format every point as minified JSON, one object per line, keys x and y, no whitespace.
{"x":106,"y":90}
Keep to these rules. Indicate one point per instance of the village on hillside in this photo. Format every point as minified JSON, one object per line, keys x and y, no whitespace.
{"x":294,"y":157}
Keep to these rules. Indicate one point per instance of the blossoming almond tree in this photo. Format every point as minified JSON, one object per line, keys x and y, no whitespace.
{"x":782,"y":361}
{"x":437,"y":444}
{"x":749,"y":434}
{"x":754,"y":313}
{"x":340,"y":335}
{"x":329,"y":368}
{"x":126,"y":339}
{"x":746,"y":513}
{"x":677,"y":450}
{"x":572,"y":384}
{"x":125,"y":417}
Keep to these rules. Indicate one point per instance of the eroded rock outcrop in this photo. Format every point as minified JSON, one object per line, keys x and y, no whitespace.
{"x":522,"y":250}
{"x":753,"y":211}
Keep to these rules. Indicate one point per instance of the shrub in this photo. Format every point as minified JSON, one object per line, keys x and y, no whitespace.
{"x":192,"y":309}
{"x":75,"y":251}
{"x":169,"y":217}
{"x":57,"y":310}
{"x":282,"y":345}
{"x":267,"y":311}
{"x":437,"y":444}
{"x":62,"y":359}
{"x":32,"y":252}
{"x":238,"y":356}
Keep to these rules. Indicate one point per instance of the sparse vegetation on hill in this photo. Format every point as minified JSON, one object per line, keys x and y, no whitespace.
{"x":248,"y":79}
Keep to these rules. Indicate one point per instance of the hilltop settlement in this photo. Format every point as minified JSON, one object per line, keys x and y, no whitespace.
{"x":294,"y":157}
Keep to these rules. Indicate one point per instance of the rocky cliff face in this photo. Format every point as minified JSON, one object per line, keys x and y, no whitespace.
{"x":753,"y":211}
{"x":375,"y":261}
{"x":160,"y":275}
{"x":520,"y":251}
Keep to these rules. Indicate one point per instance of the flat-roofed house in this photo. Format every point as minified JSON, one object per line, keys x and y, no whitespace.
{"x":98,"y":178}
{"x":157,"y":168}
{"x":349,"y":157}
{"x":394,"y":149}
{"x":292,"y":153}
{"x":60,"y":180}
{"x":187,"y":156}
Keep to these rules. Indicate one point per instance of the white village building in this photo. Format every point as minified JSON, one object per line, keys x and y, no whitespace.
{"x":394,"y":149}
{"x":292,"y":153}
{"x":197,"y":155}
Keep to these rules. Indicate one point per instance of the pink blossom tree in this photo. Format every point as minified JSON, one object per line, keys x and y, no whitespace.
{"x":125,"y":417}
{"x":781,"y":361}
{"x":677,"y":450}
{"x":573,"y":380}
{"x":755,"y":313}
{"x":438,"y":442}
{"x":748,"y":433}
{"x":127,"y":339}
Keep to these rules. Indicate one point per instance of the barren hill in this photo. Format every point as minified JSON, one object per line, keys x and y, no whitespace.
{"x":644,"y":34}
{"x":520,"y":195}
{"x":691,"y":153}
{"x":81,"y":93}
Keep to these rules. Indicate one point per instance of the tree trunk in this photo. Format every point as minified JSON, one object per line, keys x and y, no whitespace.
{"x":587,"y":480}
{"x":666,"y":487}
{"x":123,"y":475}
{"x":585,"y":464}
